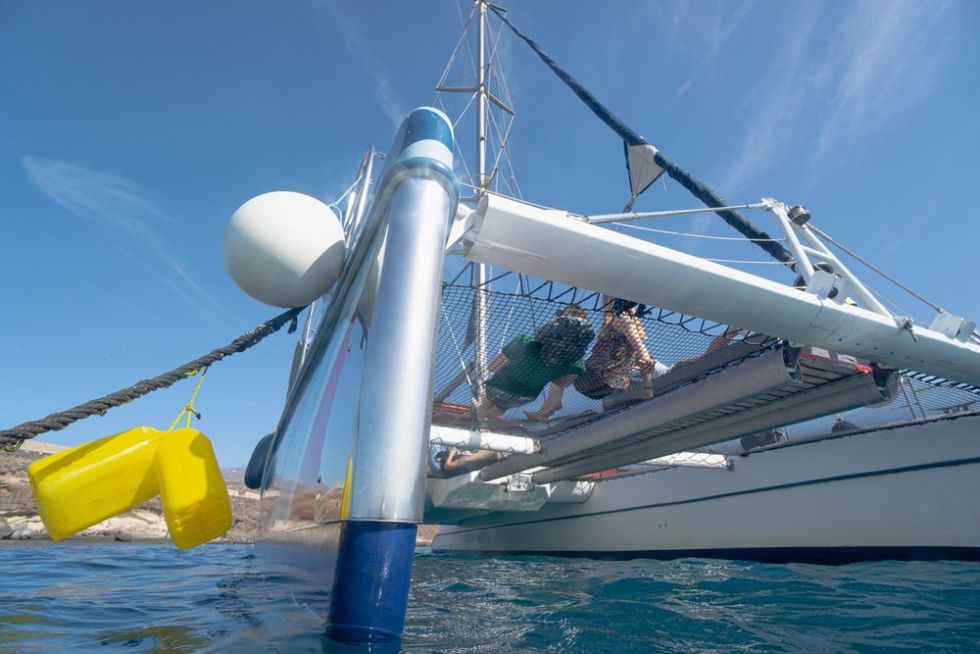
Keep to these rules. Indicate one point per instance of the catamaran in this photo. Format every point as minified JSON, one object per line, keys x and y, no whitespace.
{"x":795,"y":420}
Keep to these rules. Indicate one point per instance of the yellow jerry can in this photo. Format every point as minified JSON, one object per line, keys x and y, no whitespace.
{"x":84,"y":485}
{"x":192,"y":491}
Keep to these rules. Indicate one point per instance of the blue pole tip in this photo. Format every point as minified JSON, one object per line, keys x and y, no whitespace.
{"x":370,"y":591}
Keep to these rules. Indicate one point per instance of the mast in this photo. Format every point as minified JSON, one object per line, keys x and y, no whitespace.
{"x":480,"y":298}
{"x":481,"y":90}
{"x":483,"y":173}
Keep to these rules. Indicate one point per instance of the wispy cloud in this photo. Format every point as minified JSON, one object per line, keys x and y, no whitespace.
{"x":704,"y":28}
{"x":777,"y":98}
{"x":880,"y":62}
{"x":117,"y":203}
{"x":828,"y":86}
{"x":96,"y":195}
{"x":358,"y":46}
{"x":722,"y":25}
{"x":695,"y":37}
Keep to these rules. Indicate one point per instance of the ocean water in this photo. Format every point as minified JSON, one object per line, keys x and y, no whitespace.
{"x":154,"y":598}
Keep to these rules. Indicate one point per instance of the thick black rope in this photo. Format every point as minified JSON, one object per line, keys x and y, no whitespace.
{"x":696,"y":187}
{"x":10,"y":439}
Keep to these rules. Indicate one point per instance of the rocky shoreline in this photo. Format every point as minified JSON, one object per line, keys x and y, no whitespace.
{"x":19,"y":520}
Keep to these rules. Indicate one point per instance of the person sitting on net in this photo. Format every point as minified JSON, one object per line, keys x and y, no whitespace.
{"x":436,"y":460}
{"x":445,"y":461}
{"x":719,"y":342}
{"x":551,"y":357}
{"x":619,"y":350}
{"x":459,"y":461}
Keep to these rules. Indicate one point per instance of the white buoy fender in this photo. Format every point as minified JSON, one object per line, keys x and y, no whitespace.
{"x":283,"y":248}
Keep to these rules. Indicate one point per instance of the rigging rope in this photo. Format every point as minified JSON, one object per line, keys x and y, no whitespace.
{"x":189,"y":410}
{"x":753,"y":262}
{"x":642,"y":228}
{"x":11,"y":439}
{"x":881,"y":272}
{"x":697,"y":188}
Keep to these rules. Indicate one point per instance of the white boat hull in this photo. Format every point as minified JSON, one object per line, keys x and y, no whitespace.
{"x":909,"y":491}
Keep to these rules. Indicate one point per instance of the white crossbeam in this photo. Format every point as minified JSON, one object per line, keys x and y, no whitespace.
{"x":547,"y":244}
{"x":472,"y":439}
{"x":691,"y":460}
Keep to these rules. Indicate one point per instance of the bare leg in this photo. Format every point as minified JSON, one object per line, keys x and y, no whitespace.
{"x":476,"y":461}
{"x":552,"y":403}
{"x":486,"y":409}
{"x":647,"y":384}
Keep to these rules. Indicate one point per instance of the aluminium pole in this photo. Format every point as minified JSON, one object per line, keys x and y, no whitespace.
{"x":480,"y":296}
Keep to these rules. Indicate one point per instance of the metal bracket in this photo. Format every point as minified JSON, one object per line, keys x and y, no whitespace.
{"x":518,"y":483}
{"x":462,"y":223}
{"x":953,"y":326}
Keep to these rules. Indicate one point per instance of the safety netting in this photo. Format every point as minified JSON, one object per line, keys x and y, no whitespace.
{"x":686,"y":349}
{"x":516,"y":309}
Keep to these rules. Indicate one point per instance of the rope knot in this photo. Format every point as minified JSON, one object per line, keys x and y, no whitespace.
{"x":11,"y":444}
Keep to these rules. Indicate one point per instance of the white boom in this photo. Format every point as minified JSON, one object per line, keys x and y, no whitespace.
{"x":551,"y":245}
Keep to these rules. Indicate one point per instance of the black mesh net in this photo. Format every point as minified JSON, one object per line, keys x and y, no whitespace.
{"x":567,"y":325}
{"x":685,"y":348}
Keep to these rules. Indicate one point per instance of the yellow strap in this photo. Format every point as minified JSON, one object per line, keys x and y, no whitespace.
{"x":345,"y":498}
{"x":189,"y":409}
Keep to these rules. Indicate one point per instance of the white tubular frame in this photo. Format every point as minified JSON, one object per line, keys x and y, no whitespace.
{"x":472,"y":439}
{"x":547,"y":244}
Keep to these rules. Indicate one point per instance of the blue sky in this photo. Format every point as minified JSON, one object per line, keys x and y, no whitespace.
{"x":129,"y":133}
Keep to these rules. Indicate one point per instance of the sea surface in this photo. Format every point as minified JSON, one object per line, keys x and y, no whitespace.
{"x":154,"y":598}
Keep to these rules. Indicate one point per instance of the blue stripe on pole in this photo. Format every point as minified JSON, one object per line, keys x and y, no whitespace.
{"x":422,"y":124}
{"x":370,"y":590}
